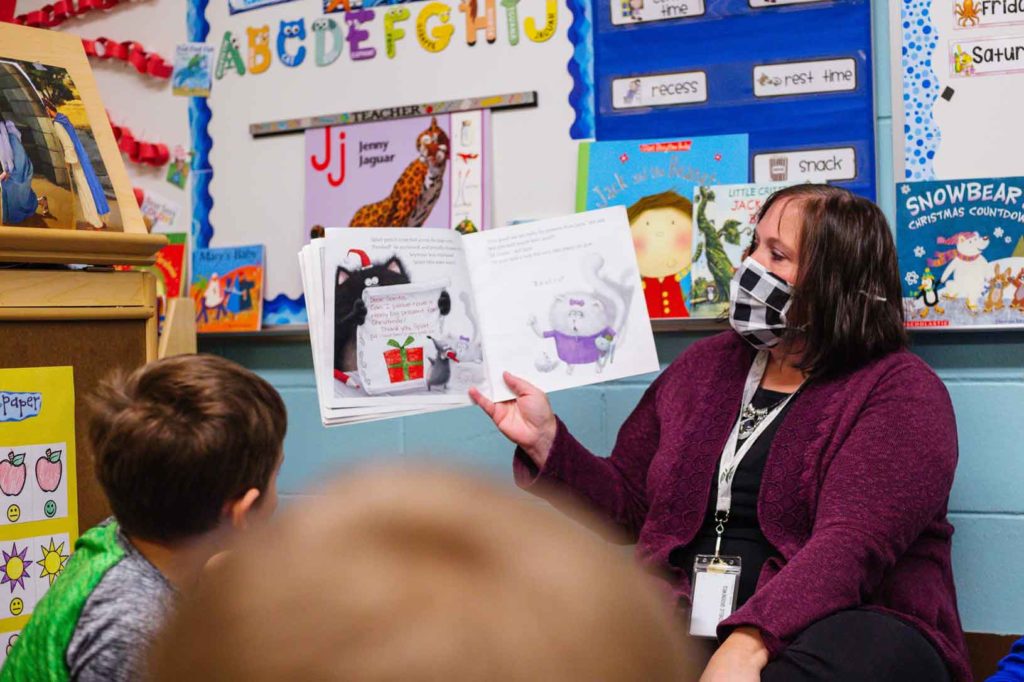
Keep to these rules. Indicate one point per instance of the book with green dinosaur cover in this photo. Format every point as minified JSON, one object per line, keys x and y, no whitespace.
{"x":724,"y":227}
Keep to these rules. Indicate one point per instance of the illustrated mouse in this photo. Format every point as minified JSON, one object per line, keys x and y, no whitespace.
{"x":441,"y":367}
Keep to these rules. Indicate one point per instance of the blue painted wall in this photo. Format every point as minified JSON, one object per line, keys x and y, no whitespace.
{"x":984,"y":373}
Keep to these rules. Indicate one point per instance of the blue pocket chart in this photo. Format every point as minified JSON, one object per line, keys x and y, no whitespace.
{"x":793,"y":74}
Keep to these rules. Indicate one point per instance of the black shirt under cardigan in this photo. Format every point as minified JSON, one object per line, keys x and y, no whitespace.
{"x":743,"y":536}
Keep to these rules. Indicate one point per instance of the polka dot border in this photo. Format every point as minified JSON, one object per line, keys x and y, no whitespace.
{"x":920,"y":90}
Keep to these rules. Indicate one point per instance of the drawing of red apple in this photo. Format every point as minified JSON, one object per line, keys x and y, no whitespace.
{"x":12,"y":474}
{"x":48,"y":470}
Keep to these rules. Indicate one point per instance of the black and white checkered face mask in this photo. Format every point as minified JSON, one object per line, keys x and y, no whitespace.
{"x":758,"y":301}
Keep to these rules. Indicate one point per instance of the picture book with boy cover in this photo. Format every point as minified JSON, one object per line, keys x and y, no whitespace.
{"x":227,"y":288}
{"x":654,"y":180}
{"x":405,"y":321}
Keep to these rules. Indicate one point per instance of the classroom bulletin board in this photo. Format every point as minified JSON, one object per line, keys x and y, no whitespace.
{"x":794,"y":74}
{"x":251,"y":190}
{"x":955,"y":87}
{"x":607,"y":69}
{"x":957,"y":156}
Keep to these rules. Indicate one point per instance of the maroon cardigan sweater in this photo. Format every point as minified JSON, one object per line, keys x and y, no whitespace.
{"x":853,"y":497}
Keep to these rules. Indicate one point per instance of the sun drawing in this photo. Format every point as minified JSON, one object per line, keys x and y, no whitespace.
{"x":15,"y":567}
{"x":53,"y":560}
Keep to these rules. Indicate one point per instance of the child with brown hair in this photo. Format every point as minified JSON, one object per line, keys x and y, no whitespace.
{"x":422,"y":576}
{"x":187,"y":450}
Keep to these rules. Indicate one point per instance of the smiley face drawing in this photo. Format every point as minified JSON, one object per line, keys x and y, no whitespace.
{"x":50,"y":509}
{"x":13,"y":513}
{"x":17,"y":606}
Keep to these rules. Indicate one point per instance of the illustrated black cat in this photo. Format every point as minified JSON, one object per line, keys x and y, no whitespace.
{"x":350,"y":310}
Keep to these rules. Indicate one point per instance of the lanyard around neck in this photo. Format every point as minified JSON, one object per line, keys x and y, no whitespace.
{"x":731,"y":456}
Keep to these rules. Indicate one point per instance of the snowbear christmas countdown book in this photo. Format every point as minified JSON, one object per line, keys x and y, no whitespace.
{"x":406,"y":321}
{"x":961,"y":252}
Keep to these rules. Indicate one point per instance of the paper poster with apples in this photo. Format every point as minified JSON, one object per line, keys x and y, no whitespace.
{"x":33,"y":485}
{"x":38,"y":487}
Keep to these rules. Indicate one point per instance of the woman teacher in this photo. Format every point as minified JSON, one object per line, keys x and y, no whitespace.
{"x":807,"y":450}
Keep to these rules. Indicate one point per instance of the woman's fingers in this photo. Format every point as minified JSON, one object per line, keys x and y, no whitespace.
{"x":520,"y":387}
{"x":482,"y":402}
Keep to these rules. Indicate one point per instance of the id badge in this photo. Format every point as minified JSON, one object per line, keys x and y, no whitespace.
{"x":715,"y":586}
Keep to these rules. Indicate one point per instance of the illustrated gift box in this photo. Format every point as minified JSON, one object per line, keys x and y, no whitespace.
{"x":404,"y":362}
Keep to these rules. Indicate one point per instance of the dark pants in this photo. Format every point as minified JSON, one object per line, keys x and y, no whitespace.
{"x":854,"y":646}
{"x":857,"y":646}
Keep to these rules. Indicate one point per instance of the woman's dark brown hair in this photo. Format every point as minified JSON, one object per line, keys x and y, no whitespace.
{"x":847,"y":304}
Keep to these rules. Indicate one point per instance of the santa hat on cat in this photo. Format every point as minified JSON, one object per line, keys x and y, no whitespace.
{"x":357,"y":260}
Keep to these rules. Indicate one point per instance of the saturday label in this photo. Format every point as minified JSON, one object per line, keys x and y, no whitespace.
{"x":986,"y":57}
{"x":805,"y":78}
{"x":987,"y":13}
{"x":806,"y":165}
{"x":640,"y":11}
{"x":687,"y":87}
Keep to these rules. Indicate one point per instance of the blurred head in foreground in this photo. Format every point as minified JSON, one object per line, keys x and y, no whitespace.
{"x":399,"y":575}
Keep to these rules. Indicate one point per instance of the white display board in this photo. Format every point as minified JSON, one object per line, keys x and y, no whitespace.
{"x":955,"y":90}
{"x":257,"y":183}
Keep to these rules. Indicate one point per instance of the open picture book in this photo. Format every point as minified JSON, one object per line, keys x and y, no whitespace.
{"x":404,"y":321}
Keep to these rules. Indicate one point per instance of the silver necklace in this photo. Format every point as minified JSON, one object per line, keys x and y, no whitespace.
{"x":751,"y":417}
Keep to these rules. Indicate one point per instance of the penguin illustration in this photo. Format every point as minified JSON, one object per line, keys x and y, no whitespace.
{"x":928,"y":294}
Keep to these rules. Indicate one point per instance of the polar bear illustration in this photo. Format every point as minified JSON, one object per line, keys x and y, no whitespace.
{"x":967,"y":271}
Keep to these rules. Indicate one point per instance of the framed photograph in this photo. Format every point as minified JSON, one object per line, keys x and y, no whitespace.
{"x":60,"y":167}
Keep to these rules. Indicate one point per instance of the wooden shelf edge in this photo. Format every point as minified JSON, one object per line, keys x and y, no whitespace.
{"x":34,"y":245}
{"x":179,"y":333}
{"x":275,"y":333}
{"x":300,"y":333}
{"x":691,"y":324}
{"x":32,"y":314}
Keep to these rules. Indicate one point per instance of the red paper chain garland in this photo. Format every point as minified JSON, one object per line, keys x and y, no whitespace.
{"x":138,"y":151}
{"x":146,"y":63}
{"x":50,"y":16}
{"x":57,"y":13}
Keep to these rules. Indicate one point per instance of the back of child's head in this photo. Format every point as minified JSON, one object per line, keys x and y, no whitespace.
{"x":422,"y":576}
{"x":178,"y":439}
